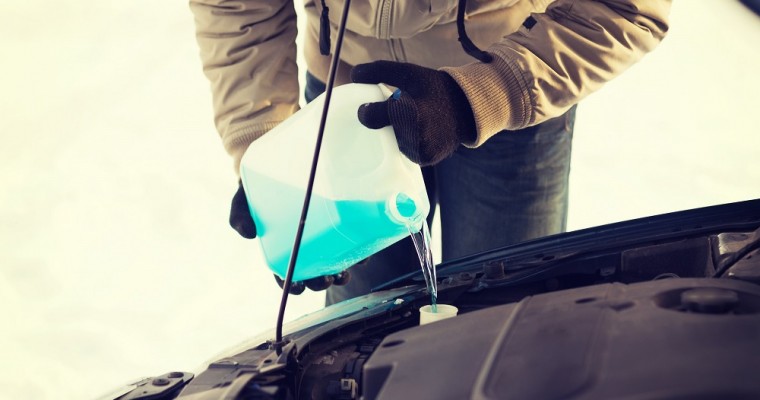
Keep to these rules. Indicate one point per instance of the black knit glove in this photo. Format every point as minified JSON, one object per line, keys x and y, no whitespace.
{"x":429,"y":113}
{"x":242,"y":222}
{"x":240,"y":215}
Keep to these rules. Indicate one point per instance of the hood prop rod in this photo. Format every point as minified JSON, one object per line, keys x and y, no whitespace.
{"x":310,"y":185}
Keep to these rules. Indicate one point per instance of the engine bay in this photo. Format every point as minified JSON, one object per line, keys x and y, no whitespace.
{"x":666,"y":307}
{"x":605,"y":335}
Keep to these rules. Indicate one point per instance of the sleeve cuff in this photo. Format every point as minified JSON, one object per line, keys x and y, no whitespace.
{"x":498,"y":94}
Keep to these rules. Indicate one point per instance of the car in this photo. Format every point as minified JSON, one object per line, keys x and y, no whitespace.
{"x":663,"y":307}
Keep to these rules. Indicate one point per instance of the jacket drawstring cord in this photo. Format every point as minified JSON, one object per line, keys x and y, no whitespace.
{"x":467,"y":44}
{"x":324,"y":31}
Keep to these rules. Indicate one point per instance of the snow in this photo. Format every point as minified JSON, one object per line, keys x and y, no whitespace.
{"x":117,"y":261}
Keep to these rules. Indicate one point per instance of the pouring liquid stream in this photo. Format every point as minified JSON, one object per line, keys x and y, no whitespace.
{"x":421,"y":241}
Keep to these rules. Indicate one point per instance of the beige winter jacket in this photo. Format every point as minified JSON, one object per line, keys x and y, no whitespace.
{"x":248,"y":51}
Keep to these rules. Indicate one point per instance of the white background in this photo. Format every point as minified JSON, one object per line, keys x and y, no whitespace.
{"x":116,"y":261}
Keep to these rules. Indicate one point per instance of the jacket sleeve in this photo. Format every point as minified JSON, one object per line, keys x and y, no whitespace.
{"x":557,"y":58}
{"x":248,"y":51}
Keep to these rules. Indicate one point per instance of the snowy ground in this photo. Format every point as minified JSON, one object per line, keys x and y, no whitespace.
{"x":116,"y":259}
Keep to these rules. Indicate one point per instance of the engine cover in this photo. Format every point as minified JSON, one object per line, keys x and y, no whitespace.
{"x":664,"y":339}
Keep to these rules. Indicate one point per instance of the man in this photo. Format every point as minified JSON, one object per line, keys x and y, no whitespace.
{"x":492,"y":128}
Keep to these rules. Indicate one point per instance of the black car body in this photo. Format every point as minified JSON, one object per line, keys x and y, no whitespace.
{"x":665,"y":307}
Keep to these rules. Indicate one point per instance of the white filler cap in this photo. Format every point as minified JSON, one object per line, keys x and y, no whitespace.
{"x":444,"y":311}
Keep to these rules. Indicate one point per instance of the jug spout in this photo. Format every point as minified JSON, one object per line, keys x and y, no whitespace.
{"x":404,"y":210}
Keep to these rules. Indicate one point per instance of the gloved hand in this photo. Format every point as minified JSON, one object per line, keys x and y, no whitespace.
{"x":242,"y":222}
{"x":240,"y":215}
{"x":430,"y":113}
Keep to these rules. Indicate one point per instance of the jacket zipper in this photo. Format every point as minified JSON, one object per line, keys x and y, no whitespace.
{"x":384,"y":23}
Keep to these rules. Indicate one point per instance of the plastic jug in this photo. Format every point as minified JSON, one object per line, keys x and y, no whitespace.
{"x":365,"y":197}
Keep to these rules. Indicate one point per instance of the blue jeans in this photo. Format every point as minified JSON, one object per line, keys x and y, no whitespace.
{"x":512,"y":188}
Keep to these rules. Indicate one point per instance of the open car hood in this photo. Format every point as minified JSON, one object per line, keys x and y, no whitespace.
{"x":659,"y":307}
